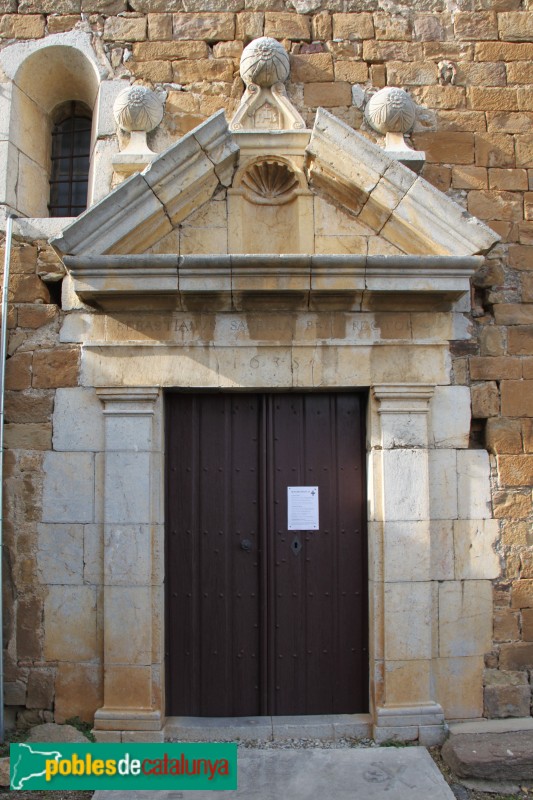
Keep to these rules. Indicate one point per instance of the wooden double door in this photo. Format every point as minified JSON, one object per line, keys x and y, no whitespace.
{"x":262,"y":619}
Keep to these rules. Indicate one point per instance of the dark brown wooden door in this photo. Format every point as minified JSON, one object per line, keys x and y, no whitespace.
{"x":260,"y":619}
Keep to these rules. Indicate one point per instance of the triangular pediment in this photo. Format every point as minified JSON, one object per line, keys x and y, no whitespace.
{"x":301,"y":218}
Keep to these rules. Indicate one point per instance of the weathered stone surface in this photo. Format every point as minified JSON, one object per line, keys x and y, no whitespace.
{"x":316,"y":68}
{"x":353,"y":26}
{"x":53,"y":368}
{"x":328,"y":95}
{"x":507,"y":701}
{"x":79,"y":691}
{"x":511,"y":504}
{"x":476,"y":25}
{"x":70,"y":623}
{"x":496,"y":205}
{"x":125,"y":29}
{"x":506,"y":629}
{"x":522,"y":594}
{"x":492,"y":99}
{"x":68,"y":494}
{"x":28,"y":436}
{"x":159,"y":27}
{"x":527,"y":624}
{"x":493,"y":756}
{"x":516,"y":656}
{"x":4,"y":771}
{"x":209,"y":27}
{"x":40,"y":689}
{"x":281,"y":25}
{"x":29,"y":627}
{"x":172,"y":51}
{"x":515,"y":470}
{"x":25,"y":26}
{"x":51,"y":732}
{"x":60,"y":554}
{"x":15,"y":693}
{"x":485,"y":400}
{"x":515,"y":26}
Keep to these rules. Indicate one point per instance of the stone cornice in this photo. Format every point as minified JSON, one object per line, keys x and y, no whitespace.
{"x":224,"y":282}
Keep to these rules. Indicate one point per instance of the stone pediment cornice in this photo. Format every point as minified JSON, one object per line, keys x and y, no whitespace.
{"x":148,"y":205}
{"x":397,"y":204}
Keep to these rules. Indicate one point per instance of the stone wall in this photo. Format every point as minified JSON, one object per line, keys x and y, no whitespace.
{"x":476,"y":131}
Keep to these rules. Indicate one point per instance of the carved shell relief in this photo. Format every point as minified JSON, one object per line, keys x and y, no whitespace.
{"x":269,"y":182}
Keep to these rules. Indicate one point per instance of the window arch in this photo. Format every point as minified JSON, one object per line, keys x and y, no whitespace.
{"x":70,"y":159}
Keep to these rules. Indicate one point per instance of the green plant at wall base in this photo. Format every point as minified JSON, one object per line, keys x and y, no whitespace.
{"x":82,"y":727}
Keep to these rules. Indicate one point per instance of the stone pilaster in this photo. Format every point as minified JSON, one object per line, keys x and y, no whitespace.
{"x":402,"y":594}
{"x":133,"y":596}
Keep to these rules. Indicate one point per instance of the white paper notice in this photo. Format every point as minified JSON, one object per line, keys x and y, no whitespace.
{"x":302,"y":508}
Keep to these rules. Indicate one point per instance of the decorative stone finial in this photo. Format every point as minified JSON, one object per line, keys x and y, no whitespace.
{"x":265,"y":66}
{"x":265,"y":62}
{"x":391,"y":111}
{"x":138,"y":109}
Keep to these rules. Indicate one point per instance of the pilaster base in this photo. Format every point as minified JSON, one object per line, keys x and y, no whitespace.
{"x":131,"y":719}
{"x":423,"y":723}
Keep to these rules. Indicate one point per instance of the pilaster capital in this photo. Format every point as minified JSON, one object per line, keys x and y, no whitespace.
{"x":403,"y":398}
{"x":128,"y":400}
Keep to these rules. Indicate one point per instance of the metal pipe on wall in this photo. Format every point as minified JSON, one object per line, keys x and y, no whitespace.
{"x":3,"y":352}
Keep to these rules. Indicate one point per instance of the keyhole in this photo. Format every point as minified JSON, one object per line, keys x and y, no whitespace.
{"x":296,"y":546}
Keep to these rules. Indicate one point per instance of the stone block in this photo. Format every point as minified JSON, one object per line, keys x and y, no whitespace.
{"x":70,"y":623}
{"x":28,"y":436}
{"x":172,"y":51}
{"x":79,"y":691}
{"x":351,"y":71}
{"x":25,"y":26}
{"x":93,"y":554}
{"x":128,"y":555}
{"x":503,"y":435}
{"x":442,"y":555}
{"x":29,"y":627}
{"x":41,"y":685}
{"x":128,"y":686}
{"x":517,"y":396}
{"x":203,"y":69}
{"x":55,"y":368}
{"x":473,"y":486}
{"x":443,"y":484}
{"x":502,"y":756}
{"x":485,"y":400}
{"x":282,"y":25}
{"x":511,"y":504}
{"x":508,"y":179}
{"x":406,"y":551}
{"x":521,"y":257}
{"x":159,"y":27}
{"x":214,"y":27}
{"x":408,"y":621}
{"x":36,"y":316}
{"x":483,"y":368}
{"x":496,"y":205}
{"x":475,"y":557}
{"x":459,"y":686}
{"x":353,"y":26}
{"x":31,"y":406}
{"x":524,"y":142}
{"x":68,"y":492}
{"x":128,"y":616}
{"x":517,"y":656}
{"x":515,"y":470}
{"x":416,"y":73}
{"x":492,"y":98}
{"x":385,"y":733}
{"x":403,"y":469}
{"x":515,"y":26}
{"x":27,"y":289}
{"x":527,"y":624}
{"x":153,"y":71}
{"x":249,"y":25}
{"x":127,"y":497}
{"x":78,"y":420}
{"x":312,"y":68}
{"x":521,"y":343}
{"x":392,"y":27}
{"x":505,"y":626}
{"x":450,"y":417}
{"x":475,"y":25}
{"x":465,"y":618}
{"x":18,"y":371}
{"x":62,"y":22}
{"x":60,"y":554}
{"x":125,"y":28}
{"x":496,"y":150}
{"x":322,"y":26}
{"x":513,"y":314}
{"x":15,"y":693}
{"x":407,"y":682}
{"x":327,"y":95}
{"x":522,"y":594}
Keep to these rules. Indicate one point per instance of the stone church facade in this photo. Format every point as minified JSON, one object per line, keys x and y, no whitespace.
{"x":273,"y":225}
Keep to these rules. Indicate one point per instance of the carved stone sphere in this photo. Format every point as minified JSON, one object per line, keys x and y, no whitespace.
{"x":391,"y":110}
{"x":138,"y":109}
{"x":264,"y":62}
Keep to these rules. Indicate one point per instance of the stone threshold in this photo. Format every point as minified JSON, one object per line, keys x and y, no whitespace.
{"x":330,"y":727}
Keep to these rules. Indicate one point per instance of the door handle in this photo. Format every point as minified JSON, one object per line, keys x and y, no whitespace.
{"x":246,"y":545}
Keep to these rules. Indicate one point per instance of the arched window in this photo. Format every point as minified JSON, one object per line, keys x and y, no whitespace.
{"x":70,"y":160}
